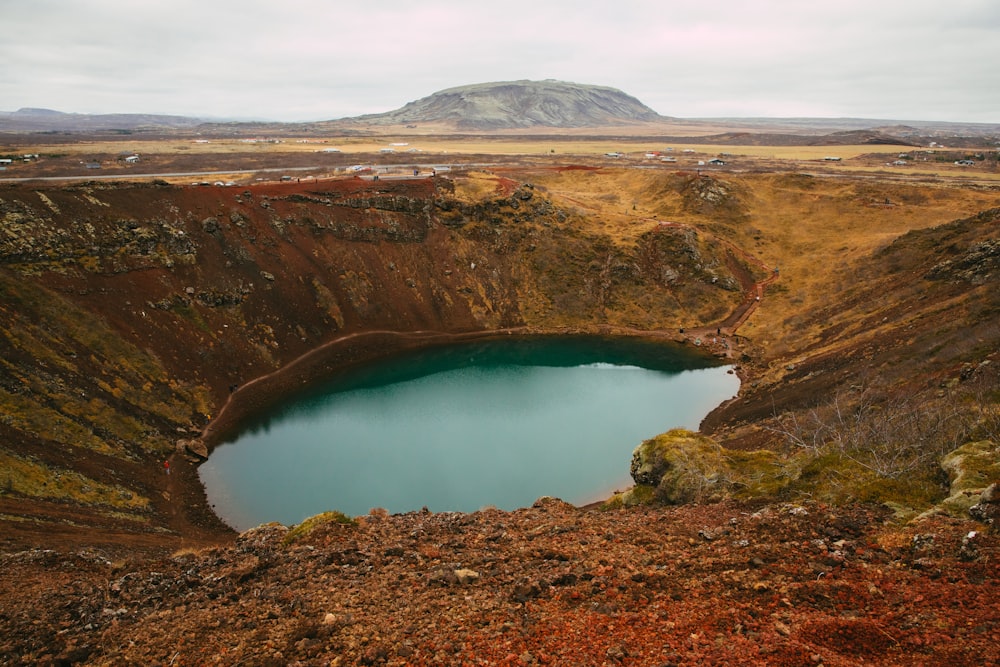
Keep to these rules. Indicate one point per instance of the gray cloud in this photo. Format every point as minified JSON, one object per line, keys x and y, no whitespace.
{"x":318,"y":59}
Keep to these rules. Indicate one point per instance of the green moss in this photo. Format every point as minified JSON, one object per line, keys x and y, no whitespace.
{"x":970,"y":469}
{"x":640,"y":494}
{"x":26,"y":414}
{"x":51,"y":391}
{"x":680,"y":467}
{"x":38,"y":344}
{"x":312,"y":523}
{"x":758,"y":473}
{"x":832,"y":477}
{"x":683,"y":467}
{"x":36,"y":480}
{"x":189,"y":313}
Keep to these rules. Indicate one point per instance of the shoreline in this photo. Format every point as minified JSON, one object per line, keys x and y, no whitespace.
{"x":362,"y":347}
{"x":357,"y":348}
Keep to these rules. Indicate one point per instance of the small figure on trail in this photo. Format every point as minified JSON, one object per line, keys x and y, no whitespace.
{"x":718,"y":331}
{"x":166,"y":466}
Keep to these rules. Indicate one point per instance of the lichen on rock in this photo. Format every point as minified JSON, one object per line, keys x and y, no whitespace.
{"x":971,"y":469}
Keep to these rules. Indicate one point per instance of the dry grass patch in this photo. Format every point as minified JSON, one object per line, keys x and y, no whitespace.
{"x":815,"y":230}
{"x":30,"y":478}
{"x":476,"y":186}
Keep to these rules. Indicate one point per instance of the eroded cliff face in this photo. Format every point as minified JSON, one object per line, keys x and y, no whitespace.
{"x":131,"y":312}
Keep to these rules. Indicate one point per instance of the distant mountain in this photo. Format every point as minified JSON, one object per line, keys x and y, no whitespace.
{"x":48,"y":120}
{"x":521,"y":104}
{"x":893,"y":128}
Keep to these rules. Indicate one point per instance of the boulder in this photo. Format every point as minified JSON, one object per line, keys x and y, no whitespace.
{"x":972,"y":469}
{"x":987,"y":509}
{"x":193,"y":447}
{"x":681,"y":466}
{"x":466,"y":577}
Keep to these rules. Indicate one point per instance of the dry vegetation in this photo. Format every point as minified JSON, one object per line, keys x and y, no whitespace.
{"x":560,"y":145}
{"x":239,"y":156}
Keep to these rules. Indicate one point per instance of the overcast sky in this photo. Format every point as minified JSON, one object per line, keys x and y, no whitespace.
{"x":322,"y":59}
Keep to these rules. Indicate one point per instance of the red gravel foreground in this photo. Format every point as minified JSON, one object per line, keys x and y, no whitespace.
{"x":726,"y":584}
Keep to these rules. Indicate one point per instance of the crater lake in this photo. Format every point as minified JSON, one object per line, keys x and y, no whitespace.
{"x":458,"y":428}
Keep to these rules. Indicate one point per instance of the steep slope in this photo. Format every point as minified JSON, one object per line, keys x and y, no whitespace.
{"x":919,"y":313}
{"x":521,"y":104}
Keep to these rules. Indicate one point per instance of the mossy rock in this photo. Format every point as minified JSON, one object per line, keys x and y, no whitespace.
{"x":310,"y":525}
{"x":970,"y":468}
{"x":640,"y":494}
{"x":656,"y":456}
{"x":682,"y":467}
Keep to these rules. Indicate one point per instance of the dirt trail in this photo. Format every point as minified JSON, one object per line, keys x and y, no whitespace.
{"x":753,"y":291}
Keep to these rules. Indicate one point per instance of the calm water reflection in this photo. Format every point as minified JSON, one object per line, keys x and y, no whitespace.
{"x":498,"y":423}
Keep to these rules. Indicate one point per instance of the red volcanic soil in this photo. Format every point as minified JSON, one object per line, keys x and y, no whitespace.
{"x":723,"y":584}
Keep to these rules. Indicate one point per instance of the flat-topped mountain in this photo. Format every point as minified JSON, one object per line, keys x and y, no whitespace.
{"x":522,"y":104}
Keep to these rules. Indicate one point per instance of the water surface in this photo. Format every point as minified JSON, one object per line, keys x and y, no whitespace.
{"x":496,"y":423}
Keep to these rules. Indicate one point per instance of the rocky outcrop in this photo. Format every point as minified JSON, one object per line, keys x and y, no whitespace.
{"x":973,"y":470}
{"x":196,"y":448}
{"x":716,"y":197}
{"x":987,"y":509}
{"x":978,"y":265}
{"x":680,"y":466}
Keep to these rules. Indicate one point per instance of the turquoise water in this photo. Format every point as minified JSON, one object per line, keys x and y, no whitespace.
{"x":499,"y":423}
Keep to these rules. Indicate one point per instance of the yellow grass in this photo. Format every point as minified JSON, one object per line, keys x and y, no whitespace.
{"x":971,"y":175}
{"x":816,"y":231}
{"x":813,"y":228}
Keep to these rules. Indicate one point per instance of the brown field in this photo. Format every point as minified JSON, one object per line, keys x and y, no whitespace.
{"x":239,"y":159}
{"x":561,"y":146}
{"x":813,"y":229}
